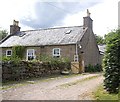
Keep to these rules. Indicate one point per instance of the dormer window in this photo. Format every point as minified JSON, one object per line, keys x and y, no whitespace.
{"x":8,"y":52}
{"x":56,"y":52}
{"x":68,"y":31}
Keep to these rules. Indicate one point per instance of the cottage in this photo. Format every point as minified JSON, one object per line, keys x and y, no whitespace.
{"x":77,"y":43}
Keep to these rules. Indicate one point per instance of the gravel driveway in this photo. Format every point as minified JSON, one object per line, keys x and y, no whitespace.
{"x":61,"y":88}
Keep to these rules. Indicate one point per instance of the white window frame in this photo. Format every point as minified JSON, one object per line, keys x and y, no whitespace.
{"x":56,"y":55}
{"x":33,"y":51}
{"x":7,"y":52}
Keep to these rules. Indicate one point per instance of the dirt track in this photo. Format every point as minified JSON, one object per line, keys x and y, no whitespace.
{"x":60,"y":88}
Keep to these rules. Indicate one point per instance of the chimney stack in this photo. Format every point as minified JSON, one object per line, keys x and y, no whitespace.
{"x":88,"y":22}
{"x":15,"y":27}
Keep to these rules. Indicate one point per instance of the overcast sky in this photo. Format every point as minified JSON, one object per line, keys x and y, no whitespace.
{"x":35,"y":14}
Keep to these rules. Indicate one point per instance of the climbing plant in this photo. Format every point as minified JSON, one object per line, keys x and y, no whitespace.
{"x":18,"y":51}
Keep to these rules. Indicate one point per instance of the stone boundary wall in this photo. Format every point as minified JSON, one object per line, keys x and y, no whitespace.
{"x":23,"y":69}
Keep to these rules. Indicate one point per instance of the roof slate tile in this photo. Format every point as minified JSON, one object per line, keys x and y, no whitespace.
{"x":50,"y":36}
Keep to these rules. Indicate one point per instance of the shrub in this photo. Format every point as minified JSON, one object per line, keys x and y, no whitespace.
{"x":5,"y":58}
{"x":95,"y":68}
{"x":112,"y":62}
{"x":18,"y":51}
{"x":54,"y":62}
{"x":44,"y":58}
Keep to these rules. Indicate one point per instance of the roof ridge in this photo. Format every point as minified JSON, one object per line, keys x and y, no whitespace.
{"x":51,"y":28}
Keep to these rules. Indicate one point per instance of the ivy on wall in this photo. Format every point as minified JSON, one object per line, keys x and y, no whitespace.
{"x":18,"y":51}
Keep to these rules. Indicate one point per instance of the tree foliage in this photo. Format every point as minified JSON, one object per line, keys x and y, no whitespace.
{"x":100,"y":39}
{"x":3,"y":34}
{"x":112,"y":62}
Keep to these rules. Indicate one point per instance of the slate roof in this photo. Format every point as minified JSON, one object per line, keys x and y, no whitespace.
{"x":49,"y":36}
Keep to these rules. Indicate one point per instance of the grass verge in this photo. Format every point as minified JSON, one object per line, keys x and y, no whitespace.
{"x":78,"y":81}
{"x":101,"y":94}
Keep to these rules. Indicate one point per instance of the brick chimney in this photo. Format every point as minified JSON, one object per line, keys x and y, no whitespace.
{"x":15,"y":27}
{"x":87,"y":21}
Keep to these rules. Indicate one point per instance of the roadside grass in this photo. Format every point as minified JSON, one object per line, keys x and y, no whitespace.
{"x":78,"y":81}
{"x":101,"y":94}
{"x":14,"y":84}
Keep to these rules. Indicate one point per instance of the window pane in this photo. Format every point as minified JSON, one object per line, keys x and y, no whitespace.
{"x":8,"y":52}
{"x":54,"y":51}
{"x":30,"y":52}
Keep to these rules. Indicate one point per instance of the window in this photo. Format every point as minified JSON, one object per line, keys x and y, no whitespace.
{"x":68,"y":31}
{"x":30,"y":54}
{"x":56,"y":52}
{"x":8,"y":52}
{"x":75,"y":58}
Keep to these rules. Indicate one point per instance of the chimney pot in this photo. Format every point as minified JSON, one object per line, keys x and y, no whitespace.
{"x":88,"y":13}
{"x":15,"y":22}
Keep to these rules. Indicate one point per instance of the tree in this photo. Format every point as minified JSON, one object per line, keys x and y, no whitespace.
{"x":3,"y":34}
{"x":99,"y":39}
{"x":112,"y":62}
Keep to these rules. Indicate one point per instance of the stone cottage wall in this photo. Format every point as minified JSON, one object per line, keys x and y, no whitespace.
{"x":67,"y":51}
{"x":23,"y":69}
{"x":91,"y":53}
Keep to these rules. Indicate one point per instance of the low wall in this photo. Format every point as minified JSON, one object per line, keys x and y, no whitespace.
{"x":24,"y":69}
